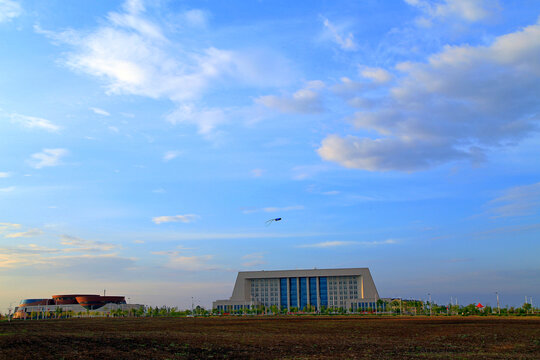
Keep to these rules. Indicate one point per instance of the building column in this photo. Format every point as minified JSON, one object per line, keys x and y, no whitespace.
{"x":317,"y":279}
{"x":298,"y":293}
{"x":279,"y":293}
{"x":308,"y":290}
{"x":362,"y":285}
{"x":288,"y":294}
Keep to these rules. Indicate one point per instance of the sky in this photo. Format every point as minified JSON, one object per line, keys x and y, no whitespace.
{"x":144,"y":145}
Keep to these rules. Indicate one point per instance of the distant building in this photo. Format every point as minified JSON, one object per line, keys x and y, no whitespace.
{"x":287,"y":289}
{"x":73,"y":302}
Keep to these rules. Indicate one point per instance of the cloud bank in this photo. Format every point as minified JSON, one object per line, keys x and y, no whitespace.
{"x":32,"y":122}
{"x":175,"y":218}
{"x":517,"y":201}
{"x":458,"y":105}
{"x":9,"y":9}
{"x":48,"y":157}
{"x":132,"y":53}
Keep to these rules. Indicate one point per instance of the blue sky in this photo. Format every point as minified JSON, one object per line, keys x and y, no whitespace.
{"x":145,"y":144}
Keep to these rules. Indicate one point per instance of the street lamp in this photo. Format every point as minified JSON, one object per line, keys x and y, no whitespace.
{"x":9,"y":312}
{"x":498,"y":306}
{"x":430,"y":306}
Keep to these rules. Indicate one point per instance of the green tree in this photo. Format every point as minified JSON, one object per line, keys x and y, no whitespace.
{"x":380,"y":304}
{"x":395,"y":306}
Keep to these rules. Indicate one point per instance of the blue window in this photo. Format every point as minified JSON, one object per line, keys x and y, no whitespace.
{"x":313,"y":291}
{"x":283,"y":288}
{"x":303,"y":292}
{"x":293,"y":287}
{"x":323,"y":289}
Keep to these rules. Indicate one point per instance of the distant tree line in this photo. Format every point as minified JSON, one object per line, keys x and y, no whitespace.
{"x":393,"y":307}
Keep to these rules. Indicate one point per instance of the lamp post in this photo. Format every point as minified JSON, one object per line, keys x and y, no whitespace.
{"x":430,"y":306}
{"x":498,"y":306}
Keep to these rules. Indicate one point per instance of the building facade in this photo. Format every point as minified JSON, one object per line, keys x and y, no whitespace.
{"x":302,"y":289}
{"x":74,"y":302}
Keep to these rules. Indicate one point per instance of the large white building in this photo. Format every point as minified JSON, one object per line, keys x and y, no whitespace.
{"x":287,"y":289}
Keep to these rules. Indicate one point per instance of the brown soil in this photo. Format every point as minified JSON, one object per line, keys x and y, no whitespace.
{"x":303,"y":337}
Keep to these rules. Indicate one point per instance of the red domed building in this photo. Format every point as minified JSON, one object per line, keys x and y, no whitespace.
{"x":75,"y":303}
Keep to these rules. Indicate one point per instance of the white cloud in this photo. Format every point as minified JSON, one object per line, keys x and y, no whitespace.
{"x":304,"y":101}
{"x":376,"y":74}
{"x":77,"y":254}
{"x":134,"y":6}
{"x":205,"y":119}
{"x":29,"y":233}
{"x":23,"y":256}
{"x":7,"y":189}
{"x":34,"y":122}
{"x":359,"y":94}
{"x":175,"y":218}
{"x":302,"y":172}
{"x":517,"y":201}
{"x":469,"y":10}
{"x":8,"y":226}
{"x":132,"y":62}
{"x":33,"y":255}
{"x":329,"y":244}
{"x":48,"y":157}
{"x":195,"y":18}
{"x":386,"y":154}
{"x":203,"y":236}
{"x":82,"y":245}
{"x":254,"y":259}
{"x":4,"y":174}
{"x":9,"y":9}
{"x":459,"y":104}
{"x":347,"y":87}
{"x":132,"y":54}
{"x":257,"y":172}
{"x":187,"y":263}
{"x":336,"y":33}
{"x":170,"y":155}
{"x":100,"y":111}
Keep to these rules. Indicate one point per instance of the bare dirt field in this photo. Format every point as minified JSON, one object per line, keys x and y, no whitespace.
{"x":305,"y":337}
